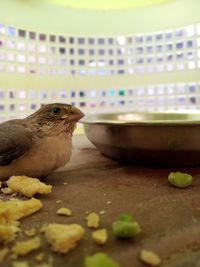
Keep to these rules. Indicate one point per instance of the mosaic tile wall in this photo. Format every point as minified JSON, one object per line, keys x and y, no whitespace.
{"x":27,"y":58}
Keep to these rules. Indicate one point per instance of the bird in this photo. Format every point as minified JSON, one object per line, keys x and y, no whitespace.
{"x":38,"y":144}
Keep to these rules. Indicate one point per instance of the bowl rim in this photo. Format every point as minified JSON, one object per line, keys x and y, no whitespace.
{"x":99,"y":119}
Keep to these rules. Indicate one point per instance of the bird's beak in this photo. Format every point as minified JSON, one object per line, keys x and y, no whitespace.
{"x":74,"y":115}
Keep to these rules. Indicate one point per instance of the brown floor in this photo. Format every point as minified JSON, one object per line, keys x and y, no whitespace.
{"x":169,"y":217}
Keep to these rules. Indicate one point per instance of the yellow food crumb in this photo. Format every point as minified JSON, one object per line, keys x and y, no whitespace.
{"x":8,"y":232}
{"x":28,"y":186}
{"x":13,"y":210}
{"x":92,"y":220}
{"x":102,"y":212}
{"x":65,"y":183}
{"x":25,"y":247}
{"x":64,"y":211}
{"x":16,"y":209}
{"x":100,"y":236}
{"x":20,"y":264}
{"x":39,"y":257}
{"x":62,"y":238}
{"x":149,"y":257}
{"x":7,"y":191}
{"x":58,"y":201}
{"x":0,"y":184}
{"x":108,"y":202}
{"x":3,"y":253}
{"x":30,"y":232}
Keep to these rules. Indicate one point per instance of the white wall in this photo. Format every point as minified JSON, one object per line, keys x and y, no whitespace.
{"x":37,"y":15}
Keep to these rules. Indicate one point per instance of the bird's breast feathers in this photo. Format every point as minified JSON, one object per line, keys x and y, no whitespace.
{"x":55,"y":150}
{"x":46,"y":155}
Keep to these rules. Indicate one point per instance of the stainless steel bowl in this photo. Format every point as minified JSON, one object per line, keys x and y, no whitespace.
{"x":167,"y":138}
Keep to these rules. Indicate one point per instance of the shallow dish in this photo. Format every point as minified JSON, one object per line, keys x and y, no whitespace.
{"x":158,"y":138}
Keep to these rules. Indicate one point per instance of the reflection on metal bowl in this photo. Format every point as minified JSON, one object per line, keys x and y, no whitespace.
{"x":159,"y":138}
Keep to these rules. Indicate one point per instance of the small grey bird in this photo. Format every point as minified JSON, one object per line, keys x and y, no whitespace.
{"x":39,"y":144}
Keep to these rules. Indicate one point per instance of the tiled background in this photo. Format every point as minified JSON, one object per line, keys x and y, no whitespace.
{"x":151,"y":71}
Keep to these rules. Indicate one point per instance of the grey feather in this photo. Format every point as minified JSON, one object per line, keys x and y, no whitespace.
{"x":15,"y":140}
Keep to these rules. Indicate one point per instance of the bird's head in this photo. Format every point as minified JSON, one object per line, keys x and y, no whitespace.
{"x":55,"y":116}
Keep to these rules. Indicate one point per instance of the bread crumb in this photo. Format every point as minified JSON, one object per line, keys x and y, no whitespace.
{"x":64,"y":211}
{"x":7,"y":190}
{"x":102,"y":212}
{"x":58,"y":201}
{"x":100,"y":236}
{"x":65,"y":183}
{"x":92,"y":220}
{"x":108,"y":202}
{"x":8,"y":232}
{"x":25,"y":247}
{"x":149,"y":257}
{"x":30,"y":232}
{"x":20,"y":264}
{"x":3,"y":253}
{"x":16,"y":209}
{"x":28,"y":186}
{"x":40,"y":257}
{"x":63,"y":238}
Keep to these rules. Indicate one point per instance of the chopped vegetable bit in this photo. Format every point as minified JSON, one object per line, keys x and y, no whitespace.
{"x":180,"y":179}
{"x":64,"y":211}
{"x":92,"y":220}
{"x":126,"y":217}
{"x":125,"y":226}
{"x":100,"y":236}
{"x":125,"y":229}
{"x":149,"y":257}
{"x":100,"y":260}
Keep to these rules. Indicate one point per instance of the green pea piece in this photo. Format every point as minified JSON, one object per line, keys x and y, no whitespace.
{"x":127,"y":217}
{"x":125,"y":229}
{"x":100,"y":260}
{"x":179,"y":179}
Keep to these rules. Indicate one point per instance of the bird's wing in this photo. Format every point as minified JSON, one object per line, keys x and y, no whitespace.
{"x":15,"y":140}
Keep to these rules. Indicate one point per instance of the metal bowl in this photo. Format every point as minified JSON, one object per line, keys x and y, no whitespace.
{"x":167,"y":138}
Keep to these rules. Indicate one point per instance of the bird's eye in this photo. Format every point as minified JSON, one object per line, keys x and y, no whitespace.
{"x":56,"y":110}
